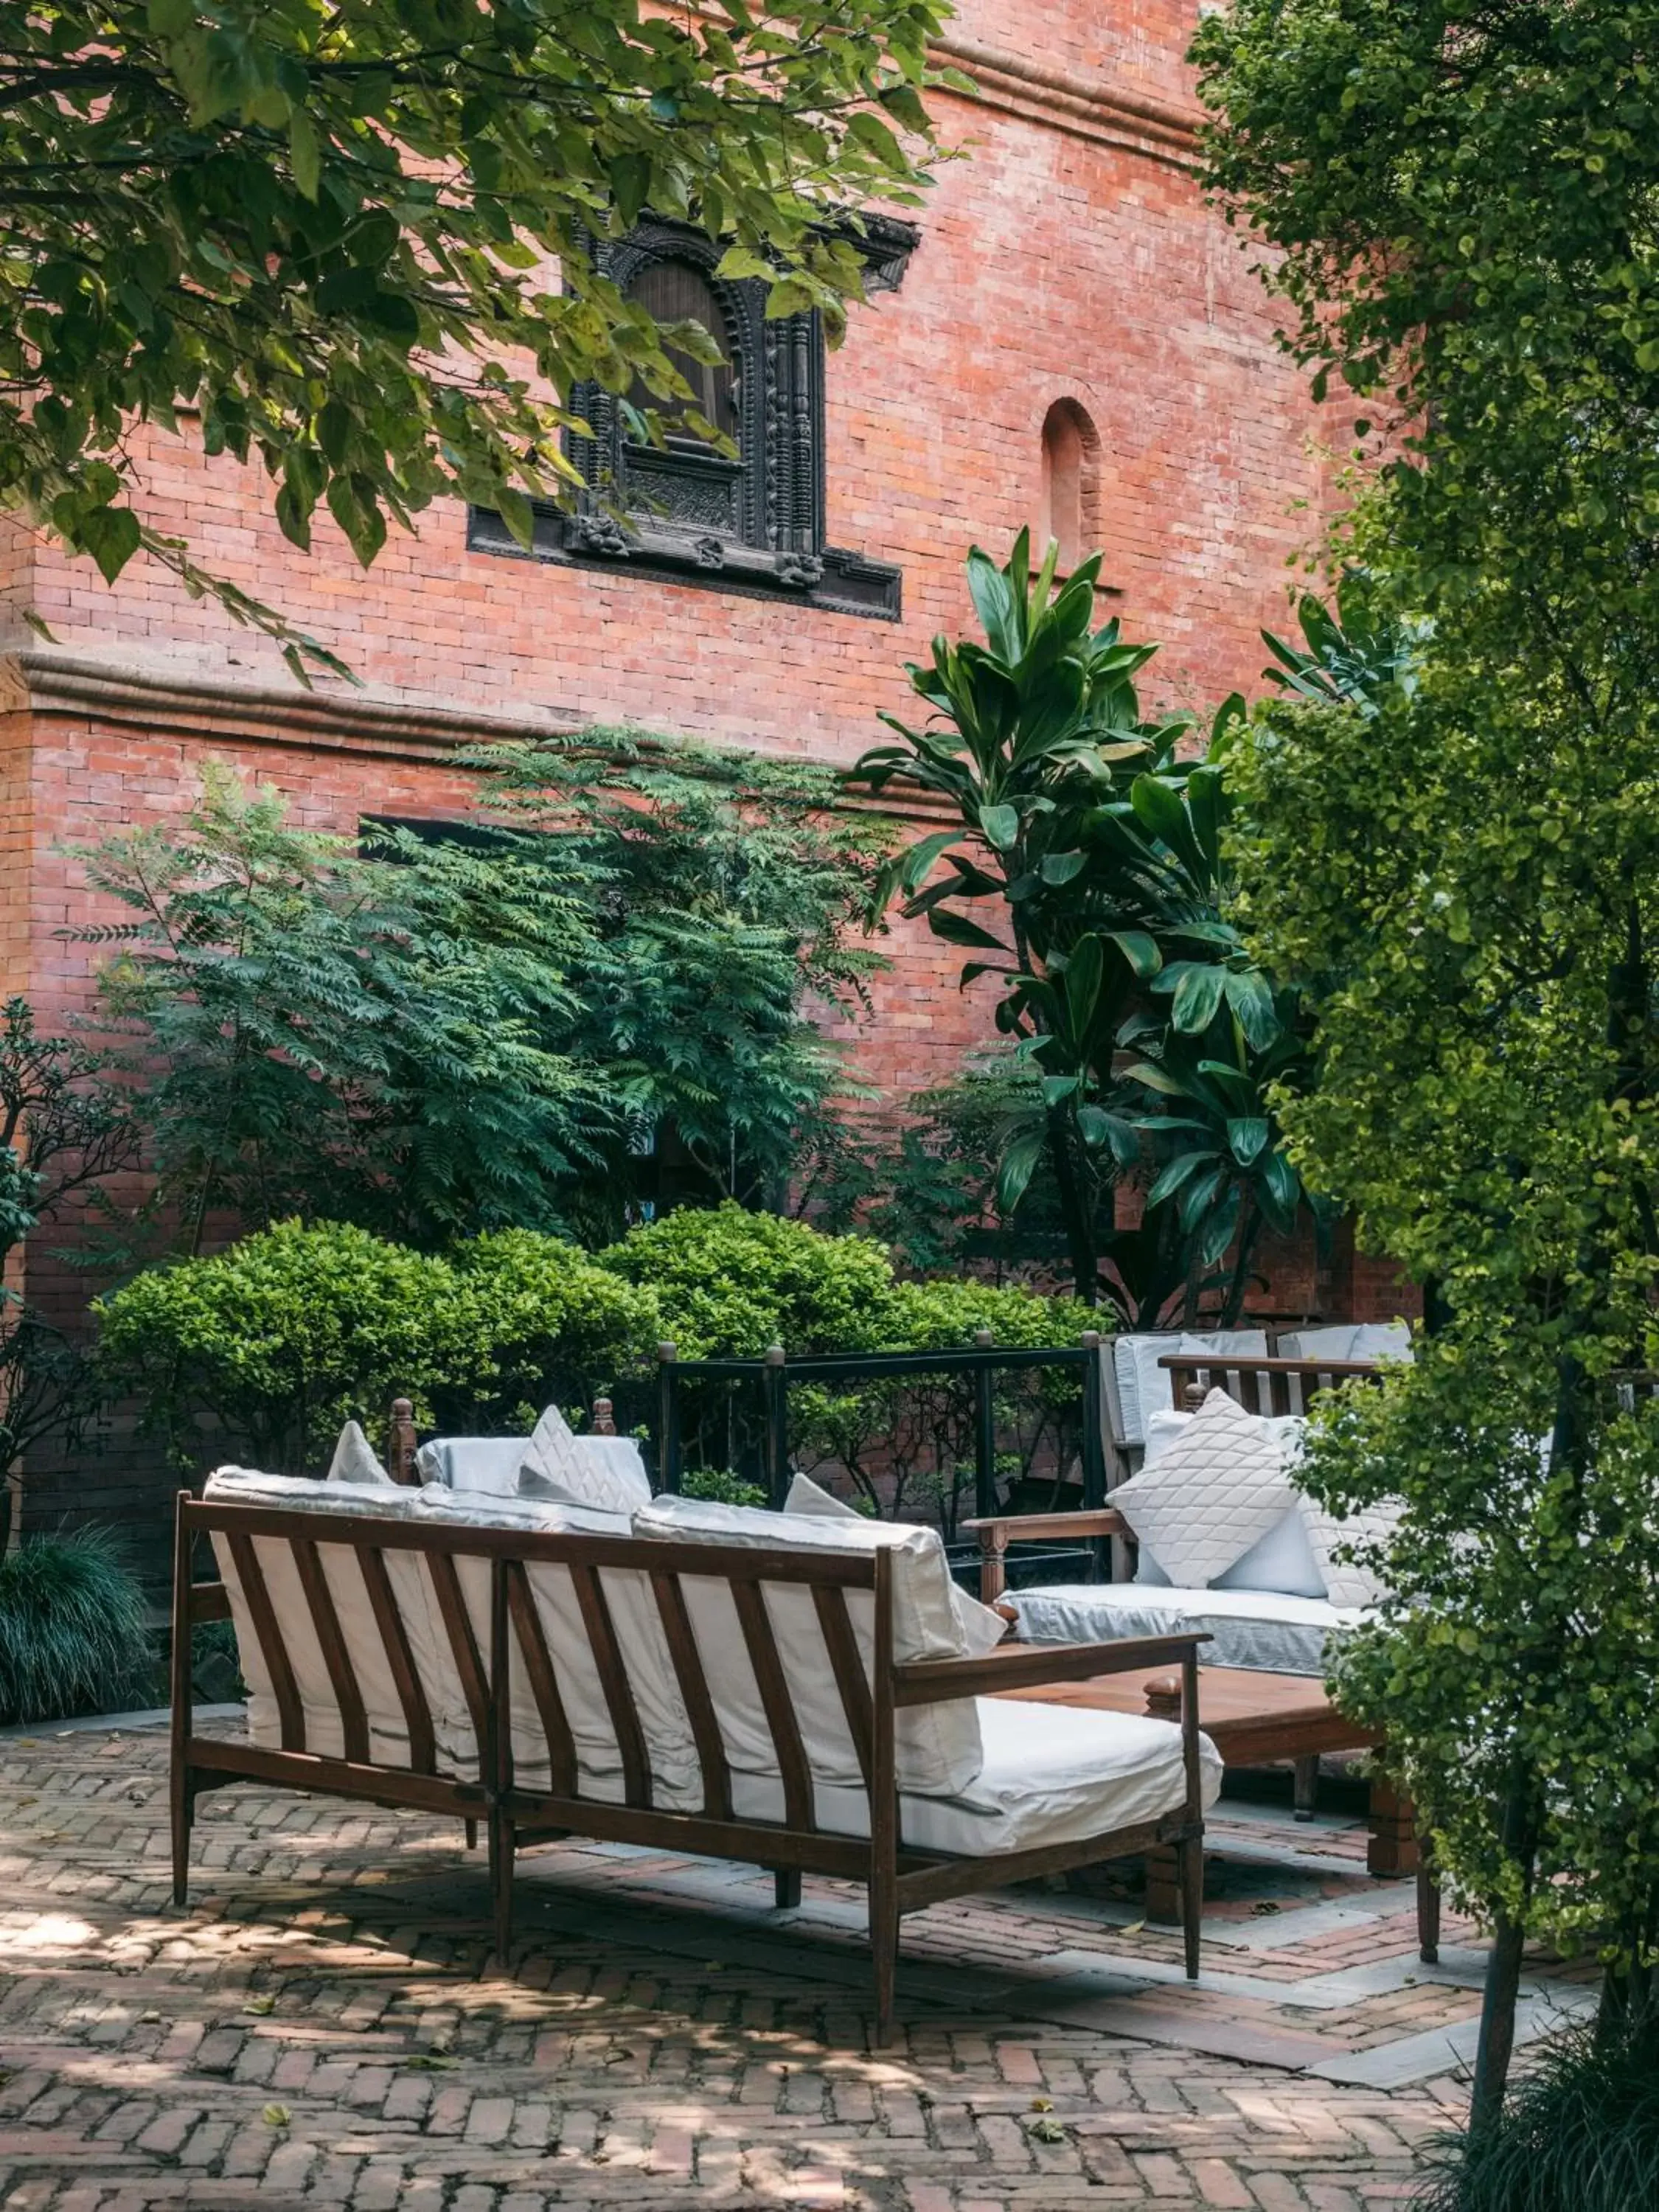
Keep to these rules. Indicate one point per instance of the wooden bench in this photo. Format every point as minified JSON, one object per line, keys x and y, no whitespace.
{"x":497,"y":1681}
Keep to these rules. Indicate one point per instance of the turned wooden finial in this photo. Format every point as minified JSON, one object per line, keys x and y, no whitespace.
{"x":603,"y":1425}
{"x":1194,"y":1395}
{"x":400,"y":1441}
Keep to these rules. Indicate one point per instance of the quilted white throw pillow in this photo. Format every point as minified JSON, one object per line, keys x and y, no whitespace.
{"x":608,"y":1476}
{"x":1213,"y":1493}
{"x":354,"y":1459}
{"x":1346,"y":1582}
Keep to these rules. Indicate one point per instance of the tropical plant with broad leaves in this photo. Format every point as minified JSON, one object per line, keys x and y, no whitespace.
{"x":1106,"y":854}
{"x":1359,"y":655}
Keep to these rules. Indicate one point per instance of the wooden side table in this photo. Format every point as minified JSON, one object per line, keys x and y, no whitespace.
{"x":1253,"y":1718}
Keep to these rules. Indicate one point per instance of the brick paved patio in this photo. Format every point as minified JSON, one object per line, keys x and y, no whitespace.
{"x":320,"y":2028}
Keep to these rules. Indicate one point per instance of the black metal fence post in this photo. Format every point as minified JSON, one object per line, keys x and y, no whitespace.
{"x":669,"y":1444}
{"x":1094,"y":1446}
{"x":774,"y":1444}
{"x":985,"y":1435}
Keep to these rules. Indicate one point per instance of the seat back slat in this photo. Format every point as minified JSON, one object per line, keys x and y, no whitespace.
{"x":331,"y":1641}
{"x":775,"y":1702}
{"x":693,"y":1689}
{"x":845,"y":1664}
{"x":463,"y":1643}
{"x":400,"y":1658}
{"x":542,"y":1680}
{"x":614,"y":1682}
{"x":290,"y":1713}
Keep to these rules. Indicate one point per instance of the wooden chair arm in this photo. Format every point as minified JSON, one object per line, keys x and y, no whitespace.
{"x":997,"y":1531}
{"x":1015,"y":1527}
{"x":1017,"y":1666}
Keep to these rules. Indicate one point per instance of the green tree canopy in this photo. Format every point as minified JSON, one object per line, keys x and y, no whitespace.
{"x":354,"y":238}
{"x":1461,"y":204}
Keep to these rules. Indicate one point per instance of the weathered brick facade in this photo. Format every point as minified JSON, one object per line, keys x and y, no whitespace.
{"x":1069,"y":257}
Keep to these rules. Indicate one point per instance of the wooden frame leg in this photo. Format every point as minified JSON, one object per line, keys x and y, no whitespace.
{"x":469,"y":1829}
{"x":1163,"y":1884}
{"x":1306,"y":1788}
{"x":883,"y":1951}
{"x":502,"y":1847}
{"x":1190,"y":1854}
{"x":1393,"y":1851}
{"x":183,"y":1809}
{"x":1428,"y":1907}
{"x":785,"y":1888}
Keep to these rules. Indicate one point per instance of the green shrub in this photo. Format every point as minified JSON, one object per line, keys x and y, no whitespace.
{"x":547,"y":1323}
{"x":73,"y":1632}
{"x":720,"y":1486}
{"x":728,"y":1283}
{"x":266,"y":1348}
{"x":1579,"y":2132}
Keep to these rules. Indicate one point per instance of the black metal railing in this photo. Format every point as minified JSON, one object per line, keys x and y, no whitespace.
{"x":771,"y":1377}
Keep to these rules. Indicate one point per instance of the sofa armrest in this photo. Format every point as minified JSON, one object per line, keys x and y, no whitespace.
{"x":1017,"y":1667}
{"x":997,"y":1531}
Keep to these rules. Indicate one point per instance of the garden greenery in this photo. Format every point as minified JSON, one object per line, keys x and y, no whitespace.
{"x":486,"y":1027}
{"x":1458,"y":208}
{"x":356,"y":241}
{"x":74,"y":1629}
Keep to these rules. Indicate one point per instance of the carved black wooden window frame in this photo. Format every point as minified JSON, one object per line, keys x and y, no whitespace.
{"x":771,"y":540}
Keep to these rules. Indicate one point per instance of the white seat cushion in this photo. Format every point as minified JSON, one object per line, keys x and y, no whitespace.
{"x":1051,"y":1774}
{"x":1262,"y":1630}
{"x":938,"y":1745}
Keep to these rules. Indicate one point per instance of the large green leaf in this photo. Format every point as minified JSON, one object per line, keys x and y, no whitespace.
{"x":1197,"y":996}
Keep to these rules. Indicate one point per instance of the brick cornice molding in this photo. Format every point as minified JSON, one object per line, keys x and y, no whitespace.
{"x":200,"y":704}
{"x":1084,"y":106}
{"x":205,"y":709}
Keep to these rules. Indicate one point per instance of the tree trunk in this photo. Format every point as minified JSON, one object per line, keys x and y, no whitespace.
{"x":1496,"y":2043}
{"x":1077,"y":1206}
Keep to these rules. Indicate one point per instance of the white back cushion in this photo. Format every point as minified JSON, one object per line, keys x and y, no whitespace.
{"x":354,"y":1459}
{"x":979,"y":1629}
{"x":325,"y":1730}
{"x":1145,"y":1388}
{"x":481,"y":1463}
{"x":939,"y":1749}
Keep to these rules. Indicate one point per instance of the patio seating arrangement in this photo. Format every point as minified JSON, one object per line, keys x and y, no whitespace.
{"x":801,"y":1692}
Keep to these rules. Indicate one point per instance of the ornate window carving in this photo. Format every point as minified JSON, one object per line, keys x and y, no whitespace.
{"x":682,"y":511}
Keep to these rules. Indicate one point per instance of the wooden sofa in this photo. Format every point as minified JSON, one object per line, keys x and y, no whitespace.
{"x":458,"y":1669}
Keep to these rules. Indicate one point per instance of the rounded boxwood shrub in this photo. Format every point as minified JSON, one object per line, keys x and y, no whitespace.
{"x":73,"y":1634}
{"x":267,"y":1347}
{"x":728,"y":1283}
{"x":548,"y":1323}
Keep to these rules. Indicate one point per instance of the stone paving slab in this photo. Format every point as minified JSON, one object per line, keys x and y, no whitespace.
{"x":323,"y":2028}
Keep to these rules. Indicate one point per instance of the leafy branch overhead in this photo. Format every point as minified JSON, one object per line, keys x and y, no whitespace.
{"x":351,"y":242}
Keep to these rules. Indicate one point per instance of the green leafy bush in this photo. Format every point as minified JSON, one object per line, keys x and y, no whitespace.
{"x":266,"y":1348}
{"x":269,"y":1347}
{"x":1579,"y":2133}
{"x":73,"y":1632}
{"x":720,"y":1486}
{"x":728,"y":1283}
{"x":544,"y":1322}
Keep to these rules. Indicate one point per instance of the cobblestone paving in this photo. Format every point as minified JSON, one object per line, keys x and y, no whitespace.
{"x":321,"y":2028}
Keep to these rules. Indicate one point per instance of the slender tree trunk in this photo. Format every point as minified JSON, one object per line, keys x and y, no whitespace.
{"x":1248,"y":1238}
{"x":1076,"y":1205}
{"x":1497,"y":2042}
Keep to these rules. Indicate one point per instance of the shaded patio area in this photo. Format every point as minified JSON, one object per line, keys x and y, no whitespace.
{"x":322,"y":2028}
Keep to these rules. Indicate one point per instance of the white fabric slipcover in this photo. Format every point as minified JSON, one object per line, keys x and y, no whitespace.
{"x":1264,"y":1631}
{"x":938,"y":1745}
{"x":604,"y":1473}
{"x":388,"y":1729}
{"x":981,"y":1628}
{"x":1050,"y":1774}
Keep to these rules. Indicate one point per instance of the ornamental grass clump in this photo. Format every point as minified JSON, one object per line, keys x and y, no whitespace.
{"x":74,"y":1636}
{"x":1579,"y":2133}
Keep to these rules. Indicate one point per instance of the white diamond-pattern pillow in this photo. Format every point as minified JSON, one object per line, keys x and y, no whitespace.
{"x":1347,"y":1582}
{"x":1213,"y":1493}
{"x":607,"y":1476}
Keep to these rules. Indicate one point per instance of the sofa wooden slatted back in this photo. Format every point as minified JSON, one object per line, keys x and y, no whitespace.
{"x":419,"y":1634}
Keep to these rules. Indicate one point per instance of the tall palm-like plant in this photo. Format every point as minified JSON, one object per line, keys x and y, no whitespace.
{"x":1104,"y":854}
